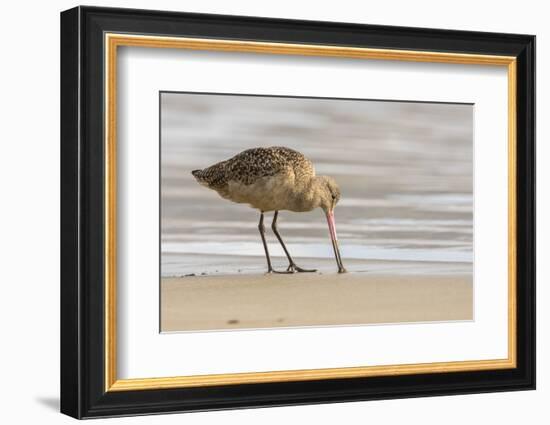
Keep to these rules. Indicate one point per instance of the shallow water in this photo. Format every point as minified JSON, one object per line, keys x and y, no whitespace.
{"x":404,"y":170}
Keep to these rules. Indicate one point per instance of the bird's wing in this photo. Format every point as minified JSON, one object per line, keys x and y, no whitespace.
{"x":252,"y":164}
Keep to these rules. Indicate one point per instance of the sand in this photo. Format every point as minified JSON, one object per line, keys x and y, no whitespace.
{"x":248,"y":301}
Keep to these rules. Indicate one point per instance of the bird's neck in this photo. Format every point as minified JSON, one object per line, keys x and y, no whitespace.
{"x":306,"y":195}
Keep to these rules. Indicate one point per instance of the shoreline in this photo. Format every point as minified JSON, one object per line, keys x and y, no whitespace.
{"x":176,"y":266}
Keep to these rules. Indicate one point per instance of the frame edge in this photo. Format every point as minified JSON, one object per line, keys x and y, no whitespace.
{"x":526,"y":181}
{"x":70,"y":347}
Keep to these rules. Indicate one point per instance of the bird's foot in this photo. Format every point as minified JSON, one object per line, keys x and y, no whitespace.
{"x":293,"y":268}
{"x":301,"y":270}
{"x":342,"y":270}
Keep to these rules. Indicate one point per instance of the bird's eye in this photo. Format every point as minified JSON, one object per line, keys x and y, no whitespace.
{"x":333,"y":196}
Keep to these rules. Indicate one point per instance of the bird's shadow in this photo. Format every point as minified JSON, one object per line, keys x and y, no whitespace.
{"x":49,"y":402}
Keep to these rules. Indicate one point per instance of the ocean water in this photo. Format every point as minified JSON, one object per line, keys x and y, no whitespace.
{"x":405,"y":171}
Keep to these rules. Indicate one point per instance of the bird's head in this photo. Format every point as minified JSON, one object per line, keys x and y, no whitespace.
{"x":327,"y":193}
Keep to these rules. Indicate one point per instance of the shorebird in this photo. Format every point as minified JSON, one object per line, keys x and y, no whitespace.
{"x":275,"y":179}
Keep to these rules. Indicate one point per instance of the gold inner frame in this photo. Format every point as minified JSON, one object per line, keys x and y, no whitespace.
{"x":113,"y":41}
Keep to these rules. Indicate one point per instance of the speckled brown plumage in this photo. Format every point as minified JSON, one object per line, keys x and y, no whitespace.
{"x":252,"y":164}
{"x":269,"y":179}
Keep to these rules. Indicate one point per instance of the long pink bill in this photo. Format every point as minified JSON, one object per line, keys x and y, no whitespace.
{"x":334,"y":239}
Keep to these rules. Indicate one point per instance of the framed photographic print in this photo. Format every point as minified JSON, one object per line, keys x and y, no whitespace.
{"x":261,"y":212}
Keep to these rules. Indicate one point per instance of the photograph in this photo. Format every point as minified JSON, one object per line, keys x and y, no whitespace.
{"x":282,"y":212}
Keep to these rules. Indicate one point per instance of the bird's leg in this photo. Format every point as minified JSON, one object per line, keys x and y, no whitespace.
{"x":261,"y":228}
{"x":292,"y":267}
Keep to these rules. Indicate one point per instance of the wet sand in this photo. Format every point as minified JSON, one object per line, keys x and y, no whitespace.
{"x":248,"y":301}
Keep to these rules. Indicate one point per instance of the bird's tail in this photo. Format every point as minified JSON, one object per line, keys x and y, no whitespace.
{"x":213,"y":176}
{"x":199,"y":176}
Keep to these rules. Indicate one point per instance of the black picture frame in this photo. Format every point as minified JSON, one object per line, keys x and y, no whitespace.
{"x":83,"y":392}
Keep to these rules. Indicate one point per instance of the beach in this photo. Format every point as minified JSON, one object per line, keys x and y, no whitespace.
{"x":250,"y":301}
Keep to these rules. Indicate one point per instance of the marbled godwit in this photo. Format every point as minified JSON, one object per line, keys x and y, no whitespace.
{"x":275,"y":179}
